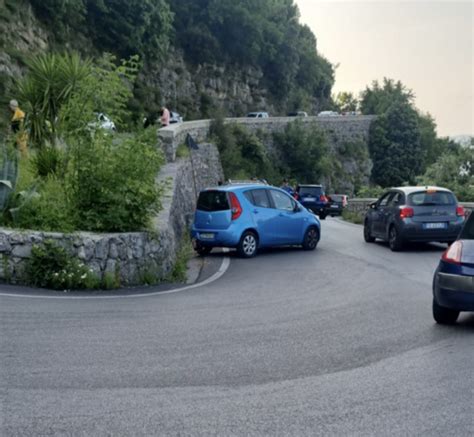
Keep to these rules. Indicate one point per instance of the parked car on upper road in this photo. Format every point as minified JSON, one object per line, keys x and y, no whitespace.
{"x":250,"y":216}
{"x":257,"y":115}
{"x":453,"y":282}
{"x":313,"y":198}
{"x":422,"y":214}
{"x":336,"y":204}
{"x":102,"y":122}
{"x":175,"y":117}
{"x":329,"y":114}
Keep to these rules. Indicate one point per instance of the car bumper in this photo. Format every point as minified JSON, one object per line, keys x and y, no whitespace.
{"x":415,"y":232}
{"x":454,"y":291}
{"x":215,"y":237}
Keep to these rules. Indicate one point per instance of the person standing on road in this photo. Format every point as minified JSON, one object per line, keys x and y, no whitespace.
{"x":165,"y":117}
{"x":287,"y":187}
{"x":16,"y":125}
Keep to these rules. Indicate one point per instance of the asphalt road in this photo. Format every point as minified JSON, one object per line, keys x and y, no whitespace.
{"x":339,"y":341}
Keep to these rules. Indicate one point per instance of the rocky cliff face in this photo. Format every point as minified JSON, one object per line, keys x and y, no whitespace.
{"x":194,"y":91}
{"x":21,"y":34}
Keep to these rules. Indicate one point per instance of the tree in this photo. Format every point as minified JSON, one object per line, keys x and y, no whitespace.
{"x":377,"y":100}
{"x":346,"y":102}
{"x":130,"y":27}
{"x":304,"y":152}
{"x":395,"y":147}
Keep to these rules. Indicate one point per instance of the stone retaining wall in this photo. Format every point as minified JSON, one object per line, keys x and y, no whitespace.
{"x":130,"y":255}
{"x":338,"y":129}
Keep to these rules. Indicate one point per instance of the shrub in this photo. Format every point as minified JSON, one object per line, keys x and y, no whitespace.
{"x":47,"y":161}
{"x":44,"y":207}
{"x":51,"y":266}
{"x":112,"y":186}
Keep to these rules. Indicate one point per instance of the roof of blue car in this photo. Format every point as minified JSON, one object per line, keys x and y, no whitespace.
{"x":233,"y":187}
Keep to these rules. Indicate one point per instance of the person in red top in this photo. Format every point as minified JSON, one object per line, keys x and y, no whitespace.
{"x":165,"y":117}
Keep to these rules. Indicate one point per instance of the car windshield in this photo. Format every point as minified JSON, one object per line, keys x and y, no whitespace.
{"x":431,"y":198}
{"x":310,"y":191}
{"x":468,"y":231}
{"x":213,"y":201}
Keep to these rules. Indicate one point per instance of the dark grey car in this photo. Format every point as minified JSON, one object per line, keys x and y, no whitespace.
{"x":414,"y":214}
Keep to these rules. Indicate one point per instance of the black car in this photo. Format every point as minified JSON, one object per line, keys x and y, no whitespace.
{"x":336,"y":204}
{"x":422,"y":214}
{"x":313,"y":198}
{"x":453,"y":282}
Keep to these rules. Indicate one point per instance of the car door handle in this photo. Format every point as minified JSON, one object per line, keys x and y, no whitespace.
{"x":255,"y":211}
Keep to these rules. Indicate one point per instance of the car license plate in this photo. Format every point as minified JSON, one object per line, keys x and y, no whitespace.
{"x":334,"y":206}
{"x":308,"y":199}
{"x":206,"y":236}
{"x":439,"y":225}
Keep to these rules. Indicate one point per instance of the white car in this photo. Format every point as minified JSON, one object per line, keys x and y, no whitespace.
{"x":257,"y":115}
{"x":175,"y":117}
{"x":103,"y":122}
{"x":329,"y":114}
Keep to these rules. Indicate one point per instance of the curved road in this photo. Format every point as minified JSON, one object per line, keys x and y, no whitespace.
{"x":339,"y":341}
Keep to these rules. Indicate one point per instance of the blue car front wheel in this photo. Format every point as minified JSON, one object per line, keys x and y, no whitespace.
{"x":311,"y":238}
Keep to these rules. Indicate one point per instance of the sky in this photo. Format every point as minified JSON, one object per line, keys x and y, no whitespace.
{"x":426,"y":44}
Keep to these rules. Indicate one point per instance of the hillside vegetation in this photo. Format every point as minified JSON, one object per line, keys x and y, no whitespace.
{"x":198,"y":56}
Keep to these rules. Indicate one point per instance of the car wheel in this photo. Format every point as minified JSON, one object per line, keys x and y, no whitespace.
{"x":394,"y":240}
{"x":202,"y":250}
{"x":248,"y":245}
{"x":311,"y":238}
{"x":367,"y":234}
{"x":322,"y":216}
{"x":443,"y":315}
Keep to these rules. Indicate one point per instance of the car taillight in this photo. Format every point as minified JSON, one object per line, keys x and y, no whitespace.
{"x":460,"y":212}
{"x":235,"y":207}
{"x":406,"y":212}
{"x":453,"y":253}
{"x":323,"y":198}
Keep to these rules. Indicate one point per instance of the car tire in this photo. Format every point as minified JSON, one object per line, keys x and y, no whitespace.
{"x":367,"y":234}
{"x":311,"y":238}
{"x":202,"y":250}
{"x":394,"y":240}
{"x":322,"y":216}
{"x":443,"y":315}
{"x":248,"y":245}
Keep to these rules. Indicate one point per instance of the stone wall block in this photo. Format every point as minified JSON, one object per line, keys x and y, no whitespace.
{"x":22,"y":250}
{"x":102,"y":248}
{"x":5,"y":245}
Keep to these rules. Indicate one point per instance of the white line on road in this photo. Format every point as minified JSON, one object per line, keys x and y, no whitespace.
{"x":222,"y":269}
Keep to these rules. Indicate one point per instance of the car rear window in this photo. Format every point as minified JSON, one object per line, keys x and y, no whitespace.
{"x":468,"y":230}
{"x":336,"y":197}
{"x":431,"y":198}
{"x":310,"y":191}
{"x":213,"y":200}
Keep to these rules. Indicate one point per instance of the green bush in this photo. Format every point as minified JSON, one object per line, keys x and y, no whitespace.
{"x":45,"y":207}
{"x":47,"y":161}
{"x":353,"y":217}
{"x":51,"y":266}
{"x":243,"y":154}
{"x":112,"y":186}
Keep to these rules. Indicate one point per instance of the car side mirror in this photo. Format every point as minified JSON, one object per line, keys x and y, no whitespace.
{"x":296,"y":208}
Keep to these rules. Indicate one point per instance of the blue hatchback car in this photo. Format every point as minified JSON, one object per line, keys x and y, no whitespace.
{"x":453,"y":284}
{"x":250,"y":216}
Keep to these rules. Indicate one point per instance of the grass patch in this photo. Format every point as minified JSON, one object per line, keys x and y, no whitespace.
{"x":178,"y":274}
{"x":353,"y":217}
{"x":183,"y":151}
